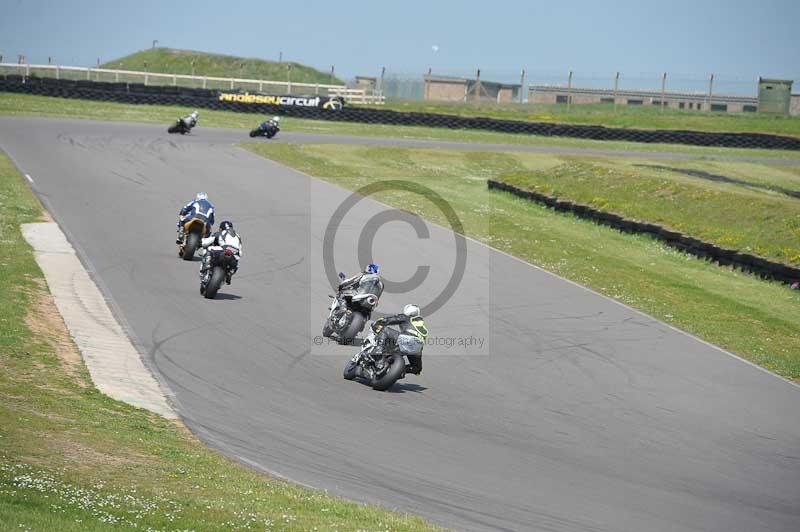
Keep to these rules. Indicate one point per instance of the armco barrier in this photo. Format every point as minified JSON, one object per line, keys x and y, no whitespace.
{"x":208,"y":99}
{"x":725,"y":257}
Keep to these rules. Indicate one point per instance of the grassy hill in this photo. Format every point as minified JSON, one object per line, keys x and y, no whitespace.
{"x":172,"y":61}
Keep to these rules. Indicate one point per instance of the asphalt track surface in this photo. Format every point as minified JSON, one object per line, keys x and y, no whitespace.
{"x":581,"y":414}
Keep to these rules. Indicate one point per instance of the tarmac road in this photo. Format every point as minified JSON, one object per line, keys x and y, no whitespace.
{"x":577,"y":413}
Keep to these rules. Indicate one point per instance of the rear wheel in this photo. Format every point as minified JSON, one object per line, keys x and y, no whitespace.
{"x":191,"y":245}
{"x":353,"y":328}
{"x":217,"y":276}
{"x":396,"y":369}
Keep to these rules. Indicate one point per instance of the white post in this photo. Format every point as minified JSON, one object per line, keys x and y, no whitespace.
{"x":710,"y":92}
{"x":231,"y":84}
{"x":205,"y":79}
{"x":88,"y":73}
{"x":663,"y":87}
{"x":27,"y":70}
{"x":569,"y":91}
{"x":58,"y":71}
{"x":260,"y":86}
{"x":521,"y":85}
{"x":145,"y":79}
{"x":174,"y":80}
{"x":616,"y":86}
{"x":116,"y":75}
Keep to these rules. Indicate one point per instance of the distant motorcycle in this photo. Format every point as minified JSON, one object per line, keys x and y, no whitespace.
{"x":383,"y":371}
{"x":221,"y":264}
{"x":266,"y":129}
{"x":184,"y":125}
{"x":352,"y":307}
{"x":193,"y":230}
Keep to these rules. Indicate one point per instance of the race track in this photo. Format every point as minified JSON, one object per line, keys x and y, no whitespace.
{"x":577,"y":414}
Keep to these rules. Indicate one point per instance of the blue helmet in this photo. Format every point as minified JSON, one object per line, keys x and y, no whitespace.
{"x":201,"y":196}
{"x":371,"y":268}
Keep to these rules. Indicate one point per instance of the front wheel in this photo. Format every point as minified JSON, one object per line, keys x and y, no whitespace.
{"x":349,"y":372}
{"x":327,"y":329}
{"x":217,"y":276}
{"x":253,"y":133}
{"x":172,"y":129}
{"x":191,"y":245}
{"x":395,"y":372}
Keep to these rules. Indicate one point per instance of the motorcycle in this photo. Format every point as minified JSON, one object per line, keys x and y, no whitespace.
{"x":193,"y":230}
{"x":220,"y":265}
{"x":181,"y":126}
{"x":352,"y":307}
{"x":266,"y":129}
{"x":383,"y":371}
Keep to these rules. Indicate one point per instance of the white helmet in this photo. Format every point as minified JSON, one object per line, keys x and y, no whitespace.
{"x":194,"y":114}
{"x":276,"y":119}
{"x":411,"y":310}
{"x":201,"y":196}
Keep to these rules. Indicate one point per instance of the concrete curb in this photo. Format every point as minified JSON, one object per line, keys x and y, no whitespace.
{"x":114,"y":363}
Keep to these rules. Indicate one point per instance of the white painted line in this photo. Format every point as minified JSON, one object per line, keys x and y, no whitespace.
{"x":29,"y":178}
{"x":114,"y":363}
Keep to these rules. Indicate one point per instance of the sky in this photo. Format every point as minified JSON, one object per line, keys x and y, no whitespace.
{"x":689,"y":39}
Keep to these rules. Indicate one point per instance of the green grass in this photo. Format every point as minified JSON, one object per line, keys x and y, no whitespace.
{"x":758,"y":320}
{"x":72,"y":459}
{"x":172,"y":61}
{"x":753,"y":218}
{"x":31,"y":105}
{"x":627,"y":116}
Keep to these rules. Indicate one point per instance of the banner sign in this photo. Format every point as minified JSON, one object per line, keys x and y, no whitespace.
{"x":325,"y":102}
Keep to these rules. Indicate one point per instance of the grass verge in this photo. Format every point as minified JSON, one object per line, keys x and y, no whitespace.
{"x":72,"y":459}
{"x":32,"y":105}
{"x":627,"y":116}
{"x":756,"y":319}
{"x":746,"y":207}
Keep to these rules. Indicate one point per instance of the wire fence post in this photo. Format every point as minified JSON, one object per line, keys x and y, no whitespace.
{"x":616,"y":88}
{"x":58,"y":71}
{"x":289,"y":78}
{"x":663,"y":87}
{"x":333,"y":68}
{"x":710,"y":92}
{"x":569,"y":91}
{"x":478,"y":88}
{"x":383,"y":74}
{"x":521,"y":85}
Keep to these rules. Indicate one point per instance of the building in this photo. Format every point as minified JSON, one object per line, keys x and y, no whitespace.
{"x":675,"y":100}
{"x":794,"y":105}
{"x":366,"y":82}
{"x":774,"y":95}
{"x":455,"y":89}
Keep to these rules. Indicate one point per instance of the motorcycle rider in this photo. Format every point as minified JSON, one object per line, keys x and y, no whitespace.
{"x":225,"y":238}
{"x":199,"y":207}
{"x":408,"y":323}
{"x":190,"y":120}
{"x":353,"y":282}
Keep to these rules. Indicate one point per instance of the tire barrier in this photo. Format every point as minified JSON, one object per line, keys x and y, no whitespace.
{"x":759,"y":266}
{"x":134,"y":93}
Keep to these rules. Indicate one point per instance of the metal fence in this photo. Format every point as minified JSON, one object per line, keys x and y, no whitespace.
{"x":359,"y":96}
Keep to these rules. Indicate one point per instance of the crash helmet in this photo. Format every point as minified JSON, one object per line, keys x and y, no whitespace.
{"x":276,"y":119}
{"x":411,"y":310}
{"x":225,"y":226}
{"x":194,"y":114}
{"x":371,"y":268}
{"x":201,"y":196}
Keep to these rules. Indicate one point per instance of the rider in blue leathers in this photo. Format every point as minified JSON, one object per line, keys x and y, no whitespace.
{"x":199,"y":207}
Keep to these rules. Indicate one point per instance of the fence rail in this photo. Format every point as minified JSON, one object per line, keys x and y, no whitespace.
{"x":358,"y":96}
